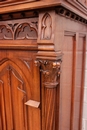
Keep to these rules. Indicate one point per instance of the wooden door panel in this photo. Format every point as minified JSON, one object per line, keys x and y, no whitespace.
{"x":2,"y":106}
{"x":16,"y":80}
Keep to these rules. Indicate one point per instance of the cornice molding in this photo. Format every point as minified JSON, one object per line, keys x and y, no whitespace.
{"x":14,"y":2}
{"x":73,"y":5}
{"x":78,"y":4}
{"x":9,"y":11}
{"x":70,"y":15}
{"x":18,"y":15}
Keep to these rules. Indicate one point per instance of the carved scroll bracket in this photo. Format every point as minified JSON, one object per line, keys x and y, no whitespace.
{"x":51,"y":72}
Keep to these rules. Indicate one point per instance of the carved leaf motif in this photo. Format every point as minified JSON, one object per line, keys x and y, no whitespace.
{"x":51,"y":73}
{"x":5,"y":32}
{"x":50,"y":70}
{"x":25,"y":31}
{"x":46,"y":27}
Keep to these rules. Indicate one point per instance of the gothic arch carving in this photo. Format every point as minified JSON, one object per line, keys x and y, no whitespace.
{"x":46,"y":27}
{"x":5,"y":33}
{"x":25,"y":31}
{"x":13,"y":90}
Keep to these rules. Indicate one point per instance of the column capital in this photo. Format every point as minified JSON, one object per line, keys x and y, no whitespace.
{"x":50,"y":70}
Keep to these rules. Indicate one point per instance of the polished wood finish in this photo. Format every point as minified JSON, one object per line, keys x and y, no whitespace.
{"x":15,"y":90}
{"x":42,"y":61}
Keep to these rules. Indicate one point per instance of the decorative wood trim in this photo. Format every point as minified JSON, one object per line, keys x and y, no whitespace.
{"x":26,"y":5}
{"x":7,"y":2}
{"x":19,"y":44}
{"x":44,"y":27}
{"x":76,"y":36}
{"x":73,"y":82}
{"x":51,"y":55}
{"x":46,"y":30}
{"x":19,"y":29}
{"x":83,"y":3}
{"x":50,"y":70}
{"x":69,"y":33}
{"x":70,"y":15}
{"x":18,"y":15}
{"x":75,"y":44}
{"x":78,"y":4}
{"x":72,"y":33}
{"x":82,"y":82}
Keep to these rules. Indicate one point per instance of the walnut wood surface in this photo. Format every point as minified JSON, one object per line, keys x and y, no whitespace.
{"x":34,"y":36}
{"x":18,"y":84}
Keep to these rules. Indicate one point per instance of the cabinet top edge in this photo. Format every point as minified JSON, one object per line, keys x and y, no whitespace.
{"x":73,"y":6}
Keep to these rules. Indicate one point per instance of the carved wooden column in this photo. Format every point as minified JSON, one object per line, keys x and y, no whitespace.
{"x":51,"y":75}
{"x":49,"y":61}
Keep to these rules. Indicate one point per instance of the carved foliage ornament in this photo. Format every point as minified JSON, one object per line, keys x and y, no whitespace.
{"x":51,"y":72}
{"x":18,"y":31}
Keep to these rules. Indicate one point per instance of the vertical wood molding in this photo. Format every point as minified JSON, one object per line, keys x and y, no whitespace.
{"x":82,"y":83}
{"x":49,"y":62}
{"x":75,"y":45}
{"x":50,"y":106}
{"x":75,"y":40}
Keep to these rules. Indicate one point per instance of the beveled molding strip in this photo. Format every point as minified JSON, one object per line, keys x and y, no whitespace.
{"x":69,"y":14}
{"x":4,"y":3}
{"x":79,"y":4}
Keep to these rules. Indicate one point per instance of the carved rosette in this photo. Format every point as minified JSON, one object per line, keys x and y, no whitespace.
{"x":51,"y":75}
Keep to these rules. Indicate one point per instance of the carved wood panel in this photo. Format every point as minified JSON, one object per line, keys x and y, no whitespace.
{"x":19,"y":30}
{"x":16,"y":88}
{"x":72,"y":85}
{"x":46,"y":27}
{"x":12,"y":99}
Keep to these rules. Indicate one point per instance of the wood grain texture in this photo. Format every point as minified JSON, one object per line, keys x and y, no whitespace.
{"x":50,"y":105}
{"x":51,"y":78}
{"x":37,"y":38}
{"x":82,"y":83}
{"x":15,"y":90}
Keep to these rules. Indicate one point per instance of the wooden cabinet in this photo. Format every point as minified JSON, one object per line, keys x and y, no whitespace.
{"x":42,"y":62}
